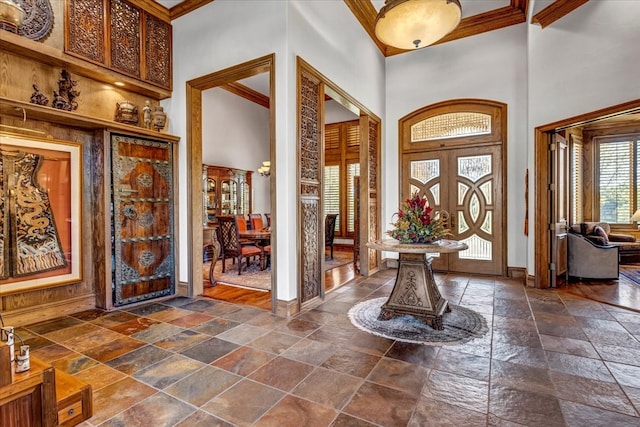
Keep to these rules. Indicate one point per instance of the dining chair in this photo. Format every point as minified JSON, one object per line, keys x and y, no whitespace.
{"x":231,"y":246}
{"x":241,"y":221}
{"x":256,"y":221}
{"x":268,"y":216}
{"x":330,"y":230}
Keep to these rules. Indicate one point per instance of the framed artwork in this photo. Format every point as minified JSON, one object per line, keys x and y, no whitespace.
{"x":40,"y":206}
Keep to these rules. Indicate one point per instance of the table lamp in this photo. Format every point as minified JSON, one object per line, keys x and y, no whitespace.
{"x":636,"y":218}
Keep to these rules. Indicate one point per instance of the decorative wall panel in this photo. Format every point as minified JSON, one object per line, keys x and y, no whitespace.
{"x":373,"y":151}
{"x":38,"y":19}
{"x":143,"y":253}
{"x":85,"y":29}
{"x":309,"y":147}
{"x":157,"y":51}
{"x":125,"y":37}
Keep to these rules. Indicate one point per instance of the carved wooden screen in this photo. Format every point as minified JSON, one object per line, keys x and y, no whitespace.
{"x":143,"y":237}
{"x":309,"y":210}
{"x":125,"y":37}
{"x":85,"y":31}
{"x":372,"y":158}
{"x":157,"y":51}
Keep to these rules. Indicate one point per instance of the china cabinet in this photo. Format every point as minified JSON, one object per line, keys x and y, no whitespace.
{"x":227,"y":191}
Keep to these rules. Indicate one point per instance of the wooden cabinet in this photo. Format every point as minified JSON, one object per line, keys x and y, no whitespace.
{"x":73,"y":398}
{"x":227,"y":191}
{"x":30,"y":398}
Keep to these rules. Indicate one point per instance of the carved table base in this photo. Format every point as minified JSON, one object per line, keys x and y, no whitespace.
{"x":415,"y":292}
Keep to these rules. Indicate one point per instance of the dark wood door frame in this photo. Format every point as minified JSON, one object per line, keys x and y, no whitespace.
{"x":194,"y":160}
{"x":542,"y":219}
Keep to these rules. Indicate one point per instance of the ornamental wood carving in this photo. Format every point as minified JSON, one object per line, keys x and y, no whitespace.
{"x":374,"y":233}
{"x":38,"y":19}
{"x":125,"y":37}
{"x":157,"y":51}
{"x":309,"y":147}
{"x":85,"y":29}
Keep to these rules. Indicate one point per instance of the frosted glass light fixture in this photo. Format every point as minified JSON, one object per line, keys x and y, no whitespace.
{"x":265,"y":169}
{"x":409,"y":24}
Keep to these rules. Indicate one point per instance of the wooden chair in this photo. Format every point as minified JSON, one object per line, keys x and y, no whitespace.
{"x":231,"y":246}
{"x":330,"y":231}
{"x":256,"y":221}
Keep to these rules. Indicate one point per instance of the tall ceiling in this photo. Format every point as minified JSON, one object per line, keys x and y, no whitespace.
{"x":478,"y":16}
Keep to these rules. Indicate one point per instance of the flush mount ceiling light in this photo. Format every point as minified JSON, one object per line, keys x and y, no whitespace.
{"x":409,"y":24}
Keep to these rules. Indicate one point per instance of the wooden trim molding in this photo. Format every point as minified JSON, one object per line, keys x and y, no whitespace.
{"x":185,"y":7}
{"x":247,"y":93}
{"x":556,"y":11}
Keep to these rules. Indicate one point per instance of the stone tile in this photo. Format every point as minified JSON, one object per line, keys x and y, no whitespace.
{"x":344,"y":420}
{"x":351,"y":362}
{"x":202,"y":385}
{"x":369,"y":343}
{"x":578,"y":415}
{"x":417,"y":354}
{"x":299,"y":327}
{"x":54,"y":325}
{"x":113,"y":349}
{"x":113,"y":319}
{"x":157,"y":410}
{"x":199,"y":305}
{"x":268,"y":320}
{"x":328,"y":388}
{"x":457,"y":390}
{"x":281,"y":373}
{"x":625,"y":374}
{"x":332,"y":334}
{"x":600,"y":394}
{"x":100,"y":376}
{"x":202,"y":419}
{"x":432,"y":412}
{"x":181,"y":341}
{"x":81,"y":329}
{"x":243,"y":403}
{"x":215,"y":326}
{"x":168,"y":371}
{"x":614,"y":353}
{"x":135,"y":325}
{"x":310,"y":351}
{"x":463,"y":364}
{"x":600,"y":324}
{"x":51,"y":352}
{"x":171,"y":313}
{"x":294,"y":412}
{"x":38,"y":342}
{"x":569,"y":346}
{"x":74,"y":363}
{"x":177,"y":301}
{"x":138,"y":359}
{"x":146,"y":309}
{"x":190,"y":319}
{"x":580,"y":366}
{"x":242,"y":314}
{"x":522,"y":377}
{"x":399,"y":375}
{"x":381,"y":405}
{"x":244,"y":360}
{"x":633,"y":393}
{"x":519,"y":338}
{"x":157,"y":332}
{"x":210,"y":350}
{"x":242,"y":334}
{"x":510,"y":309}
{"x":85,"y":342}
{"x":274,"y":342}
{"x":525,"y":407}
{"x":622,"y":339}
{"x":116,"y":397}
{"x":518,"y":354}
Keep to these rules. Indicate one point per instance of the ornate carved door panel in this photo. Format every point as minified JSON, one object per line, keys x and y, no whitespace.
{"x":467,"y":183}
{"x":143,"y":246}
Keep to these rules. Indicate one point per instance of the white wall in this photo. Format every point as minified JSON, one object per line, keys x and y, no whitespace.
{"x":235,"y":133}
{"x":488,"y":66}
{"x":587,"y":61}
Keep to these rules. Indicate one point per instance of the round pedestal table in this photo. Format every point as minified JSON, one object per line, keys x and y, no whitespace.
{"x":415,"y":291}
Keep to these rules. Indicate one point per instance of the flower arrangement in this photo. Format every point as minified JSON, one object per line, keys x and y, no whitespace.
{"x":415,"y":223}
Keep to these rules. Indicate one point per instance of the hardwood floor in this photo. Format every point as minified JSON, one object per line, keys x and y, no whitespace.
{"x":334,"y":278}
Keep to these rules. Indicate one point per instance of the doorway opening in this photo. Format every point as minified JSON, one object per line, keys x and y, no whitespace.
{"x":228,"y":79}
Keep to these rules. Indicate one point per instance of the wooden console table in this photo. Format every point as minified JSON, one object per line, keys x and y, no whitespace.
{"x":415,"y":291}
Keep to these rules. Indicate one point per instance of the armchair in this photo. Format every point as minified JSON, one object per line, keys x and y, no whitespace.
{"x":589,"y":260}
{"x":231,"y":245}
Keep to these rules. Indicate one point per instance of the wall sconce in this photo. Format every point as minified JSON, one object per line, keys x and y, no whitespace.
{"x":265,"y":169}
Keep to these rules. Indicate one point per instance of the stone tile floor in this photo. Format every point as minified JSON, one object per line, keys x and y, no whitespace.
{"x":550,"y":358}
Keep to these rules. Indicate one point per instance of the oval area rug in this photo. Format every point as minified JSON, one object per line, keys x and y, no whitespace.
{"x":459,"y":325}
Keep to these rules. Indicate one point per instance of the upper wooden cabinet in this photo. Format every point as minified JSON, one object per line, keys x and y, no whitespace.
{"x":227,"y":191}
{"x":122,"y":37}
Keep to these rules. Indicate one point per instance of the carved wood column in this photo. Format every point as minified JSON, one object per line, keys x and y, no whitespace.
{"x":310,"y":186}
{"x":369,"y":190}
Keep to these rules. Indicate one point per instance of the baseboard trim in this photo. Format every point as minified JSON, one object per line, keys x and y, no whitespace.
{"x":518,"y":273}
{"x":44,"y":312}
{"x":287,"y":308}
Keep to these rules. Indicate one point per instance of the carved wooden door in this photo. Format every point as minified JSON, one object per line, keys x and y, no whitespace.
{"x":143,"y":237}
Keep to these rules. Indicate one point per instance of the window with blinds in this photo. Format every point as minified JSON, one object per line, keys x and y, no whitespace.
{"x":577,"y":183}
{"x":618,"y":182}
{"x":332,"y":190}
